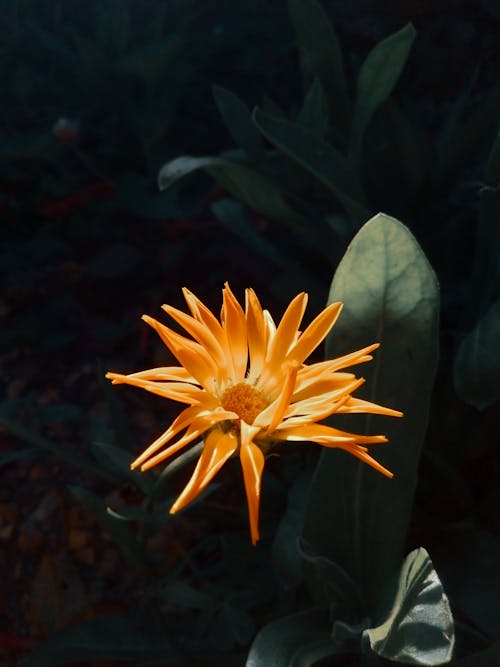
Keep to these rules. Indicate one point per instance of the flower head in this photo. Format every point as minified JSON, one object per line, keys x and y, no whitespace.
{"x":247,"y":389}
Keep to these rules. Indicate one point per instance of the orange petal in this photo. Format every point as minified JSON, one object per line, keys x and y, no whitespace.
{"x":271,"y":416}
{"x":355,"y":405}
{"x":198,"y":426}
{"x":235,"y":327}
{"x":256,"y":332}
{"x":176,"y":391}
{"x":286,"y":332}
{"x":182,"y":421}
{"x":324,"y":435}
{"x":315,"y":332}
{"x":219,"y":447}
{"x":191,"y":355}
{"x":360,"y":453}
{"x":204,"y":315}
{"x":252,"y":464}
{"x":201,"y":333}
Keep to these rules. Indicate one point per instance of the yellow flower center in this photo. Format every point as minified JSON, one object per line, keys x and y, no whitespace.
{"x":245,"y":400}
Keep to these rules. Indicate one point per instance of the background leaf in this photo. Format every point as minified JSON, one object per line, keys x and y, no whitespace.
{"x":238,"y":120}
{"x":319,"y":158}
{"x":476,"y":369}
{"x":319,"y":42}
{"x":355,"y":516}
{"x":377,"y":78}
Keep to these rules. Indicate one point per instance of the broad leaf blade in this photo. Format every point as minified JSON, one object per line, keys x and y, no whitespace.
{"x":238,"y":120}
{"x":355,"y":516}
{"x":318,"y":157}
{"x":377,"y":78}
{"x":476,"y":370}
{"x":419,"y":628}
{"x":319,"y":42}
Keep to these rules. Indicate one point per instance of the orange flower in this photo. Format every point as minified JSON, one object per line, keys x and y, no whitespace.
{"x":247,"y":389}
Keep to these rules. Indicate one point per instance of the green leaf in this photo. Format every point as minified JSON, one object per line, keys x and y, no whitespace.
{"x":376,"y":80}
{"x":480,"y":122}
{"x":118,"y":530}
{"x":419,"y":628}
{"x":251,"y":187}
{"x":486,"y":271}
{"x":476,"y":368}
{"x":286,"y":558}
{"x":355,"y":516}
{"x":178,"y":592}
{"x":56,"y":450}
{"x":102,"y":638}
{"x":238,"y":120}
{"x":234,"y":216}
{"x":317,"y":157}
{"x":286,"y":641}
{"x":16,"y":454}
{"x":314,"y":113}
{"x":319,"y":42}
{"x":118,"y":461}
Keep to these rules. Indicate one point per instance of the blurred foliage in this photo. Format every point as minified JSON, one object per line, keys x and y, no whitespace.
{"x":359,"y":109}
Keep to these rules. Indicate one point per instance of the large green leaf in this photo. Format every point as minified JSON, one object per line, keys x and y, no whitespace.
{"x":287,"y":641}
{"x":419,"y":627}
{"x":377,"y":78}
{"x":238,"y":120}
{"x":105,"y":638}
{"x":476,"y":369}
{"x":355,"y":516}
{"x":319,"y":158}
{"x":319,"y":42}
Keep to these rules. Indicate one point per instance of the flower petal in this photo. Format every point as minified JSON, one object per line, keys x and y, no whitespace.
{"x":286,"y":333}
{"x":197,"y":427}
{"x":252,"y":465}
{"x":219,"y":447}
{"x":191,"y":355}
{"x":271,"y":416}
{"x":315,"y":332}
{"x":201,"y":334}
{"x":182,"y":392}
{"x":356,"y":405}
{"x":256,"y":334}
{"x":235,"y":327}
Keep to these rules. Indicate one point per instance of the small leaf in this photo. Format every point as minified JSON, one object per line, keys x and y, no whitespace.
{"x":280,"y":642}
{"x":175,"y":169}
{"x":178,"y":592}
{"x":118,"y":530}
{"x":377,"y":78}
{"x":419,"y":628}
{"x":319,"y":42}
{"x":16,"y":454}
{"x":118,"y":461}
{"x":103,"y":638}
{"x":476,"y":369}
{"x":238,"y":120}
{"x":317,"y":157}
